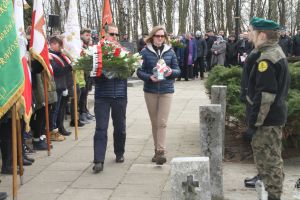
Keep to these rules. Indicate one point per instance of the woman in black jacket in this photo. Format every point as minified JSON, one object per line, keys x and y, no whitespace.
{"x":231,"y":51}
{"x":159,"y":69}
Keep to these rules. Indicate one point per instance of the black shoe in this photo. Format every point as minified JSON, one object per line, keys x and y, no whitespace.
{"x":178,"y":79}
{"x":98,"y":167}
{"x":28,"y":158}
{"x":28,"y":150}
{"x":63,"y":131}
{"x":41,"y":145}
{"x":26,"y":162}
{"x":186,"y":79}
{"x":80,"y":124}
{"x":120,"y":159}
{"x":250,"y":182}
{"x":3,"y":195}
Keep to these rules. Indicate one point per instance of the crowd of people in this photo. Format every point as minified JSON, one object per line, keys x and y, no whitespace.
{"x":60,"y":103}
{"x":196,"y":54}
{"x":200,"y":52}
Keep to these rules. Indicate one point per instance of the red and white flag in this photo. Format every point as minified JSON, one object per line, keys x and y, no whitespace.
{"x":72,"y":42}
{"x":38,"y":43}
{"x":26,"y":98}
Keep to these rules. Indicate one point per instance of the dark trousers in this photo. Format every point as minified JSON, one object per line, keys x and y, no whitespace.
{"x":103,"y":106}
{"x":61,"y":110}
{"x":199,"y":66}
{"x":6,"y":142}
{"x":208,"y":60}
{"x":186,"y":72}
{"x":37,"y":122}
{"x":82,"y":105}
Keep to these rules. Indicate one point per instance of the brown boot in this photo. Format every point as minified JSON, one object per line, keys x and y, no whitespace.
{"x":154,"y":157}
{"x":160,"y":157}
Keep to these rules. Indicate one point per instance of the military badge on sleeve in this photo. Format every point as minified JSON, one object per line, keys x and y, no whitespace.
{"x":262,"y":66}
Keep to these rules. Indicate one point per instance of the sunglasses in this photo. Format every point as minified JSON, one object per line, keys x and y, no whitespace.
{"x":159,"y":36}
{"x":113,"y":34}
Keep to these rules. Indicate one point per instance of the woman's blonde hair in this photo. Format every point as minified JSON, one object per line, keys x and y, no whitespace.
{"x":149,"y":39}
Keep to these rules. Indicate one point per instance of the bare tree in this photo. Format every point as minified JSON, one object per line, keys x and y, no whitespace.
{"x":169,"y":13}
{"x":143,"y":15}
{"x":272,"y":12}
{"x":183,"y":10}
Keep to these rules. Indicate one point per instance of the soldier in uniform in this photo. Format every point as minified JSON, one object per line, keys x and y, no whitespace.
{"x":268,"y":86}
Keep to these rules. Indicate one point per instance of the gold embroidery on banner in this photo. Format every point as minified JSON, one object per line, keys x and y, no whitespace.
{"x":6,"y":30}
{"x":9,"y":52}
{"x":4,"y":6}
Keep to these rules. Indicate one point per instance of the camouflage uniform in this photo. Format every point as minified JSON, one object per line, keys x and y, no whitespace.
{"x":267,"y":112}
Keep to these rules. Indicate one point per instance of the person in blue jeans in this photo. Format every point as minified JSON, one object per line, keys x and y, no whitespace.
{"x":110,"y":96}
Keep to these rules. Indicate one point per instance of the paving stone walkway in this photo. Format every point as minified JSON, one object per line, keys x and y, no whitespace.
{"x":67,"y":173}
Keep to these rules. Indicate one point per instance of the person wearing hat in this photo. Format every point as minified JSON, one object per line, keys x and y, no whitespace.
{"x":266,"y":110}
{"x":201,"y":55}
{"x":218,"y":50}
{"x":285,"y":42}
{"x":296,"y":43}
{"x":231,"y":51}
{"x":211,"y":38}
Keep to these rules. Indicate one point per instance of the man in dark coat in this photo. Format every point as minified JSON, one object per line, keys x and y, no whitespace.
{"x":296,"y":44}
{"x":142,"y":43}
{"x":231,"y":51}
{"x":110,"y":97}
{"x":211,"y":38}
{"x":201,"y":55}
{"x":244,"y":48}
{"x":285,"y":42}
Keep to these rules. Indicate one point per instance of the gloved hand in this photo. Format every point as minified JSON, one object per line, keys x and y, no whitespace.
{"x":65,"y":93}
{"x":249,"y":134}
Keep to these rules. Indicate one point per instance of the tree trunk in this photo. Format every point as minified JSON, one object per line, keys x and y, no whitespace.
{"x":197,"y":25}
{"x":135,"y":17}
{"x":169,"y":15}
{"x":281,"y":8}
{"x":261,"y":8}
{"x":152,"y":5}
{"x":79,"y":13}
{"x":143,"y":16}
{"x":298,"y":16}
{"x":272,"y":12}
{"x":122,"y":17}
{"x":252,"y":8}
{"x":183,"y":11}
{"x":207,"y":15}
{"x":160,"y":13}
{"x":229,"y":10}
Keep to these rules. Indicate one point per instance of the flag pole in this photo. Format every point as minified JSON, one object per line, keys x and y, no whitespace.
{"x":75,"y":106}
{"x":14,"y":151}
{"x":20,"y":150}
{"x":47,"y":110}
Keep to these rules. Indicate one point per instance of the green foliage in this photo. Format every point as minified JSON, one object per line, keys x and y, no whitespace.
{"x":231,"y":77}
{"x":295,"y":75}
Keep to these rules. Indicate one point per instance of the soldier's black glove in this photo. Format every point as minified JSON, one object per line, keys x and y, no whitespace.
{"x":249,"y":134}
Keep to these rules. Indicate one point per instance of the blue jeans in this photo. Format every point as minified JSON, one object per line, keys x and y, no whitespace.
{"x":118,"y":114}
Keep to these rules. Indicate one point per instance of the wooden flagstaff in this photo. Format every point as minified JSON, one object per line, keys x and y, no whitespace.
{"x":47,"y":111}
{"x":20,"y":150}
{"x":75,"y":106}
{"x":14,"y":151}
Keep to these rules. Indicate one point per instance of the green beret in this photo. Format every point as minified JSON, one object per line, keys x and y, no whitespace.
{"x":263,"y":24}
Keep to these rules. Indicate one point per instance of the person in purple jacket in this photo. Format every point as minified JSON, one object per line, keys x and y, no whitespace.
{"x":187,"y":56}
